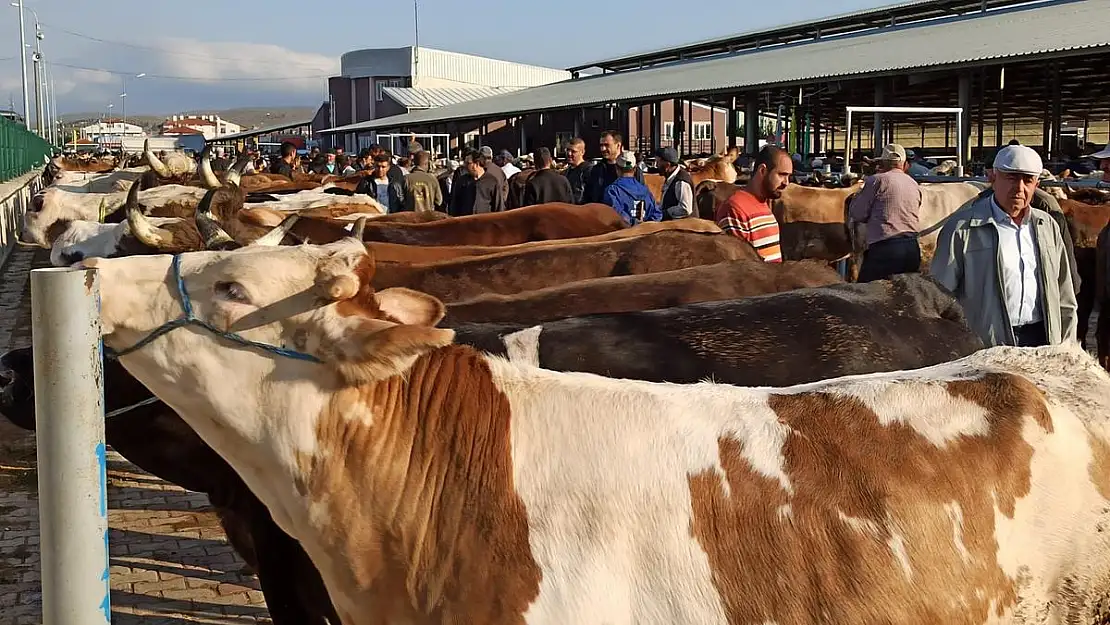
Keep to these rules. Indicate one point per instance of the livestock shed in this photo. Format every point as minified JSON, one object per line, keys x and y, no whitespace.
{"x":302,"y":128}
{"x":1034,"y":71}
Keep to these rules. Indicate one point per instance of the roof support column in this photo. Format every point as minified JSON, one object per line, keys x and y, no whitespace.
{"x":523,"y":135}
{"x":751,"y":122}
{"x":656,"y":126}
{"x":877,"y":134}
{"x":733,"y":122}
{"x":1057,"y":112}
{"x":579,"y":120}
{"x":678,"y":132}
{"x":998,"y":108}
{"x":982,"y":107}
{"x":964,"y":102}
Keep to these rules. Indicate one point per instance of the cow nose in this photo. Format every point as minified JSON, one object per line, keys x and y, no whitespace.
{"x":72,"y":257}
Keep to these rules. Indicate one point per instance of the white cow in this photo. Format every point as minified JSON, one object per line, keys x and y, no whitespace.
{"x":431,"y":483}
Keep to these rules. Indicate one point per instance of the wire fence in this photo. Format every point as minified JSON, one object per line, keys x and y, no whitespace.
{"x":20,"y":150}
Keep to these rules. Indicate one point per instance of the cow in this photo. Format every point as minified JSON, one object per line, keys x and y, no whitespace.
{"x":856,"y":328}
{"x":514,"y":272}
{"x":177,"y":167}
{"x":716,"y":169}
{"x":429,"y":482}
{"x":1083,"y":223}
{"x":705,"y":283}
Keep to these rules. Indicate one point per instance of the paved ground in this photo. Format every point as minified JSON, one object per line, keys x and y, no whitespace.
{"x":170,"y":563}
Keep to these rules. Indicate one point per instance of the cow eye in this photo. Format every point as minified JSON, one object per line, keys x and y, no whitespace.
{"x":232,"y":291}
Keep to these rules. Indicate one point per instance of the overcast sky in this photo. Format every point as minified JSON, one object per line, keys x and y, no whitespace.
{"x":217,"y":54}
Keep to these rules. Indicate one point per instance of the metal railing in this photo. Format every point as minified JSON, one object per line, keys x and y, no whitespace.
{"x":20,"y":150}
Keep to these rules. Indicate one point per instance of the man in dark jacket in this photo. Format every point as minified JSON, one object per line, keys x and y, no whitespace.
{"x":578,"y":168}
{"x":606,"y":172}
{"x":546,"y":185}
{"x":496,"y":172}
{"x":284,"y":165}
{"x":388,"y":192}
{"x":678,"y":187}
{"x":396,"y":174}
{"x":479,"y":194}
{"x":422,"y":192}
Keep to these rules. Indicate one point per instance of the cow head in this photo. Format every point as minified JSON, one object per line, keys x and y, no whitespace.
{"x":317,"y":300}
{"x":176,"y":165}
{"x":52,"y":210}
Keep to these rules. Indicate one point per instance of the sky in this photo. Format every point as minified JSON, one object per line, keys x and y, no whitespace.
{"x":215,"y":54}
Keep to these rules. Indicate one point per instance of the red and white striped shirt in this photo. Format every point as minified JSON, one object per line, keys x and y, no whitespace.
{"x":744,"y":216}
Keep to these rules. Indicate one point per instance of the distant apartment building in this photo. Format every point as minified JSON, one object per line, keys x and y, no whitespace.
{"x":108,"y":133}
{"x":380,"y":82}
{"x":211,"y":126}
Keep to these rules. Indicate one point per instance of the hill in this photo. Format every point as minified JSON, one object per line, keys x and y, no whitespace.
{"x":245,"y":117}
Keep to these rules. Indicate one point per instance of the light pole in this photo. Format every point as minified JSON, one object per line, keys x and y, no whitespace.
{"x":23,"y":66}
{"x":37,"y":58}
{"x":123,"y":96}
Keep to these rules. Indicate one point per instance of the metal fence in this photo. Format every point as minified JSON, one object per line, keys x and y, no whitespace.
{"x":20,"y":150}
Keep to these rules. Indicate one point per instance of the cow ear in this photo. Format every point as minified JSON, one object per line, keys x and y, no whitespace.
{"x":410,"y":307}
{"x":377,"y":349}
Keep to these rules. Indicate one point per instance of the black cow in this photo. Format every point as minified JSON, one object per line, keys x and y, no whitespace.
{"x":779,"y":339}
{"x":775,"y":340}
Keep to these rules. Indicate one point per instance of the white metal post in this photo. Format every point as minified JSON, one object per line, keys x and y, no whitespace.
{"x":23,"y":66}
{"x":847,"y":146}
{"x":69,"y":416}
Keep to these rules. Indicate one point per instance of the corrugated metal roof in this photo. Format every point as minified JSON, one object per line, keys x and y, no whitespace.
{"x":1054,"y":28}
{"x":246,"y":134}
{"x":423,"y":98}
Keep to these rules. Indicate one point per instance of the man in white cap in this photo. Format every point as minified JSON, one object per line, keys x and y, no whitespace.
{"x":1006,"y":261}
{"x":889,"y":204}
{"x":1103,"y":157}
{"x":629,"y":197}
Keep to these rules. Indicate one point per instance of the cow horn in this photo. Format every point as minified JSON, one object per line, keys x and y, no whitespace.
{"x":360,"y":228}
{"x":140,"y":226}
{"x":334,"y":281}
{"x":1068,"y":189}
{"x":210,"y":231}
{"x":206,"y":174}
{"x":274,"y":237}
{"x":234,"y":178}
{"x":155,"y":164}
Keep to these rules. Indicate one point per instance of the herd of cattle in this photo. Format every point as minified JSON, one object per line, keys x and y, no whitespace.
{"x":397,"y":475}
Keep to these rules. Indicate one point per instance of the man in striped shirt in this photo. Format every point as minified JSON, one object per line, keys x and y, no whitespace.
{"x":747,"y":214}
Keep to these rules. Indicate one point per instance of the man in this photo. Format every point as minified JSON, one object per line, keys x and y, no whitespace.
{"x":678,"y":188}
{"x":422,"y":192}
{"x":505,"y":162}
{"x":578,"y":168}
{"x":496,"y":172}
{"x":327,"y":165}
{"x":481,"y":194}
{"x":285,"y":165}
{"x":747,"y":213}
{"x":389,"y":193}
{"x":1005,"y":260}
{"x":889,"y":204}
{"x":1103,"y":157}
{"x":630,"y":197}
{"x":396,"y":174}
{"x":546,"y":185}
{"x":606,"y":172}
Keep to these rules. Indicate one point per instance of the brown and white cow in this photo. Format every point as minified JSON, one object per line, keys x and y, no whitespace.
{"x":430,"y":483}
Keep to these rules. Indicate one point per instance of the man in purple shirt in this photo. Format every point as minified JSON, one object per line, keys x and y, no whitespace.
{"x":889,"y":204}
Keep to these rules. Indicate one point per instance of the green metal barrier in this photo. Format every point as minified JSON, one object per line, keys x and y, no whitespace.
{"x":20,"y":150}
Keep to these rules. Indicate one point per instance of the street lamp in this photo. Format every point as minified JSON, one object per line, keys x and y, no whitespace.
{"x":23,"y":66}
{"x":123,"y":96}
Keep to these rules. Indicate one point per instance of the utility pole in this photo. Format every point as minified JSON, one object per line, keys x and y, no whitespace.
{"x":23,"y":66}
{"x":37,"y":58}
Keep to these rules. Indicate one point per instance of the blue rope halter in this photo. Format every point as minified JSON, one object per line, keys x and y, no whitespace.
{"x":189,"y":319}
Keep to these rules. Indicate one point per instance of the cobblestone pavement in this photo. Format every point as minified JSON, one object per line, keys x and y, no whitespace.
{"x":170,"y":562}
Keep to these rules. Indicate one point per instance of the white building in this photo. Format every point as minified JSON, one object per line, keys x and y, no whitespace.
{"x":108,"y":133}
{"x":379,"y":82}
{"x":211,"y":126}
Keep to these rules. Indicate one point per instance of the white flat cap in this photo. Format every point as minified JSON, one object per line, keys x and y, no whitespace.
{"x":1018,"y":159}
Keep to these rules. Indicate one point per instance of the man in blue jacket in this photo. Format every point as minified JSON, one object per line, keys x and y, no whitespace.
{"x":629,"y":197}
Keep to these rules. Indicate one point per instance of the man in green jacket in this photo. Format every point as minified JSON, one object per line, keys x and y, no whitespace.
{"x":1006,"y":261}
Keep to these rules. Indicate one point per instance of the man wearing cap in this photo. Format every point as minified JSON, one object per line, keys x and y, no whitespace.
{"x":1103,"y":157}
{"x":629,"y":197}
{"x":1006,"y":261}
{"x":498,"y":174}
{"x":546,"y":185}
{"x":505,"y":162}
{"x":678,"y":188}
{"x":889,"y":204}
